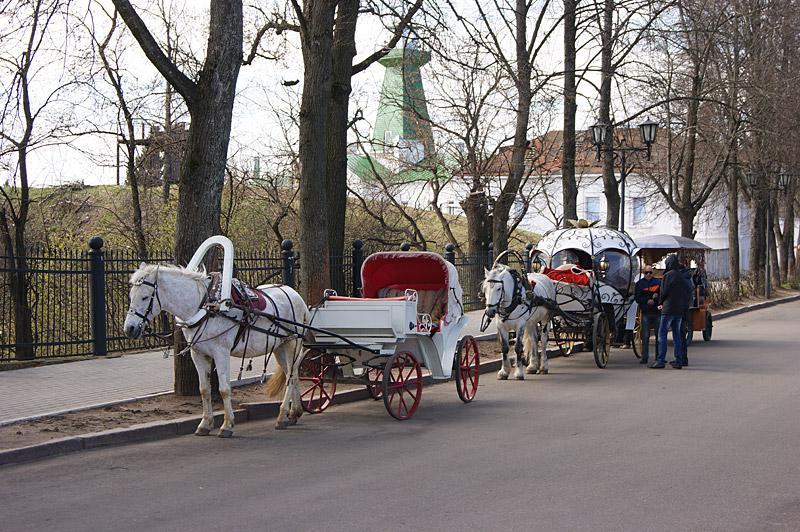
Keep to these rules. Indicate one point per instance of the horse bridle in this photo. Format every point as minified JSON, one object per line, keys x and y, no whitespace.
{"x":153,"y":297}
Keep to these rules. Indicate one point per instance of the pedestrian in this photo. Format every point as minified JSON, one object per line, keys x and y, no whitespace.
{"x":673,"y":304}
{"x":646,"y":295}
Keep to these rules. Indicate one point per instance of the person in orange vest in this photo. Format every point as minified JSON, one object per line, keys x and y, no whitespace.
{"x":646,"y":296}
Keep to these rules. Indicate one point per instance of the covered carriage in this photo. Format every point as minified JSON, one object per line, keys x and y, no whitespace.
{"x":652,"y":249}
{"x":410,"y":317}
{"x":594,"y":270}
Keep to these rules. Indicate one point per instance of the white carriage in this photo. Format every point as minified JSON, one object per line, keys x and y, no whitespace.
{"x":410,"y":317}
{"x":594,"y":270}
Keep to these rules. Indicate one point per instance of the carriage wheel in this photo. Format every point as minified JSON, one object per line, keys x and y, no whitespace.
{"x":709,"y":327}
{"x":601,"y":339}
{"x":636,"y":344}
{"x":317,"y":381}
{"x":402,"y":385}
{"x":375,"y":377}
{"x":467,"y":366}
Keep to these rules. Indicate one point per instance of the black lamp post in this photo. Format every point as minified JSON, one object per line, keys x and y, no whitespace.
{"x":784,"y":179}
{"x":648,"y":130}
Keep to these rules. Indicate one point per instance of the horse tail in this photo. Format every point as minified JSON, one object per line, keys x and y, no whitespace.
{"x":276,"y":383}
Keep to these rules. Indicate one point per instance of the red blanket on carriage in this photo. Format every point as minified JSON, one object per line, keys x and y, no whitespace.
{"x":569,"y":273}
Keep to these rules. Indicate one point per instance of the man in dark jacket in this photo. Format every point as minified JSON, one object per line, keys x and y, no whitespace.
{"x":646,"y":296}
{"x":673,"y":303}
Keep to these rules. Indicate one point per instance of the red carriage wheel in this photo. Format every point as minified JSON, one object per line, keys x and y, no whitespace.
{"x":317,"y":381}
{"x":467,"y":368}
{"x":402,"y":385}
{"x":375,"y":378}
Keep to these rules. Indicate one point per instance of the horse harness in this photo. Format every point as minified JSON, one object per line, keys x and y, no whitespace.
{"x":522,"y":294}
{"x":153,"y":297}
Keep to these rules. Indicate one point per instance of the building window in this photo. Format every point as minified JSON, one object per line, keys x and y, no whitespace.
{"x":639,"y":210}
{"x":387,"y":139}
{"x":593,"y":208}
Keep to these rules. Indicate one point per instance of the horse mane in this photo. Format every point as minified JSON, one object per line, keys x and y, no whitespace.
{"x":146,"y":269}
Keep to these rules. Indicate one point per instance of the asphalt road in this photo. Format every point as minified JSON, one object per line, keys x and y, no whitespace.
{"x":710,"y":447}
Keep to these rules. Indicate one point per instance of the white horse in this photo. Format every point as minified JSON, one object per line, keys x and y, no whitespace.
{"x":507,"y":303}
{"x":182,"y":292}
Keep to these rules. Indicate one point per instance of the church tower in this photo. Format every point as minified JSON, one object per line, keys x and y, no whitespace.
{"x":402,"y":126}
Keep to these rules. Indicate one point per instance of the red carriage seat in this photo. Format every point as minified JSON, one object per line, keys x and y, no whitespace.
{"x":391,"y":274}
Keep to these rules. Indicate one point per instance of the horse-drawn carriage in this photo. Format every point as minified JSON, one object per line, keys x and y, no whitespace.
{"x":652,"y":249}
{"x":411,"y":316}
{"x":594,"y":270}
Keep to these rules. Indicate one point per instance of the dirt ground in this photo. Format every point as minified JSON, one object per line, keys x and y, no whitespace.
{"x":162,"y":407}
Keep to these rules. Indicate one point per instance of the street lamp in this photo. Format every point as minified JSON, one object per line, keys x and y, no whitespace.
{"x":647,"y":130}
{"x":784,"y":180}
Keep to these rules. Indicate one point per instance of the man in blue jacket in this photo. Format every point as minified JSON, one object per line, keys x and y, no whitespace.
{"x":673,"y":303}
{"x":646,"y":296}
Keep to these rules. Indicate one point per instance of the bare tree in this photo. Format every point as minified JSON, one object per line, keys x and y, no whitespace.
{"x":210,"y":103}
{"x":30,"y":44}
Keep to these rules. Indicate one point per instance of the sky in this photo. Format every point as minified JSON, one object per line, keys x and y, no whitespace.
{"x":91,"y":158}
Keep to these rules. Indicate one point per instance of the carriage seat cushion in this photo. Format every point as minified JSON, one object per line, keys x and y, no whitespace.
{"x":241,"y":294}
{"x":568,"y":273}
{"x":430,"y":297}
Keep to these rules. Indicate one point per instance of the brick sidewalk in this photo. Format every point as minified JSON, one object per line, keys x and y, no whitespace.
{"x":56,"y":388}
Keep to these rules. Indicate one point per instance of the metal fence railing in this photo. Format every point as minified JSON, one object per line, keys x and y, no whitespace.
{"x":78,"y":300}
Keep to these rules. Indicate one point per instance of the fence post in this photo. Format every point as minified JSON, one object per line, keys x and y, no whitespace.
{"x":528,"y":249}
{"x":450,"y":253}
{"x":358,"y":260}
{"x":490,"y":254}
{"x":288,"y":262}
{"x":405,"y":246}
{"x":98,"y":295}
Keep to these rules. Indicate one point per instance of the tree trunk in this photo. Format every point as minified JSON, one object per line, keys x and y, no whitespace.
{"x":503,"y":204}
{"x":569,"y":189}
{"x":476,"y":209}
{"x":344,"y":50}
{"x":733,"y":229}
{"x":610,"y":188}
{"x":317,"y":43}
{"x":687,"y":223}
{"x":758,"y":214}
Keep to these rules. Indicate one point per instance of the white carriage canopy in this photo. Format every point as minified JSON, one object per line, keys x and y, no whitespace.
{"x":390,"y":273}
{"x":587,"y":247}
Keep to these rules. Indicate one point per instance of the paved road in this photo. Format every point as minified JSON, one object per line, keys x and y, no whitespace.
{"x":710,"y":447}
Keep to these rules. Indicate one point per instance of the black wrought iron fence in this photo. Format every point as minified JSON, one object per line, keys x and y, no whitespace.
{"x":57,"y":299}
{"x":78,"y":299}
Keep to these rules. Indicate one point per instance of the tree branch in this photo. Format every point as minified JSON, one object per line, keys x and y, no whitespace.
{"x":185,"y":86}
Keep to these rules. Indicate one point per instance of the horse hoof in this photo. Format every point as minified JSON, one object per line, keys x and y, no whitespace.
{"x":281,"y":425}
{"x":502,"y":377}
{"x":202,"y":431}
{"x":520,"y":377}
{"x":544,"y":371}
{"x":225,"y":433}
{"x":531,"y":371}
{"x":292,"y":421}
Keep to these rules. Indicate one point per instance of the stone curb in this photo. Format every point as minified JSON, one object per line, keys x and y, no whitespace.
{"x":755,"y":306}
{"x":159,"y":430}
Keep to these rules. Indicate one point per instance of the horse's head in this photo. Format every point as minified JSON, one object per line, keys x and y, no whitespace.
{"x":144,"y":300}
{"x":497,"y":287}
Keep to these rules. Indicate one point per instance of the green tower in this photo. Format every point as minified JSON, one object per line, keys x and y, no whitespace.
{"x":402,"y":121}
